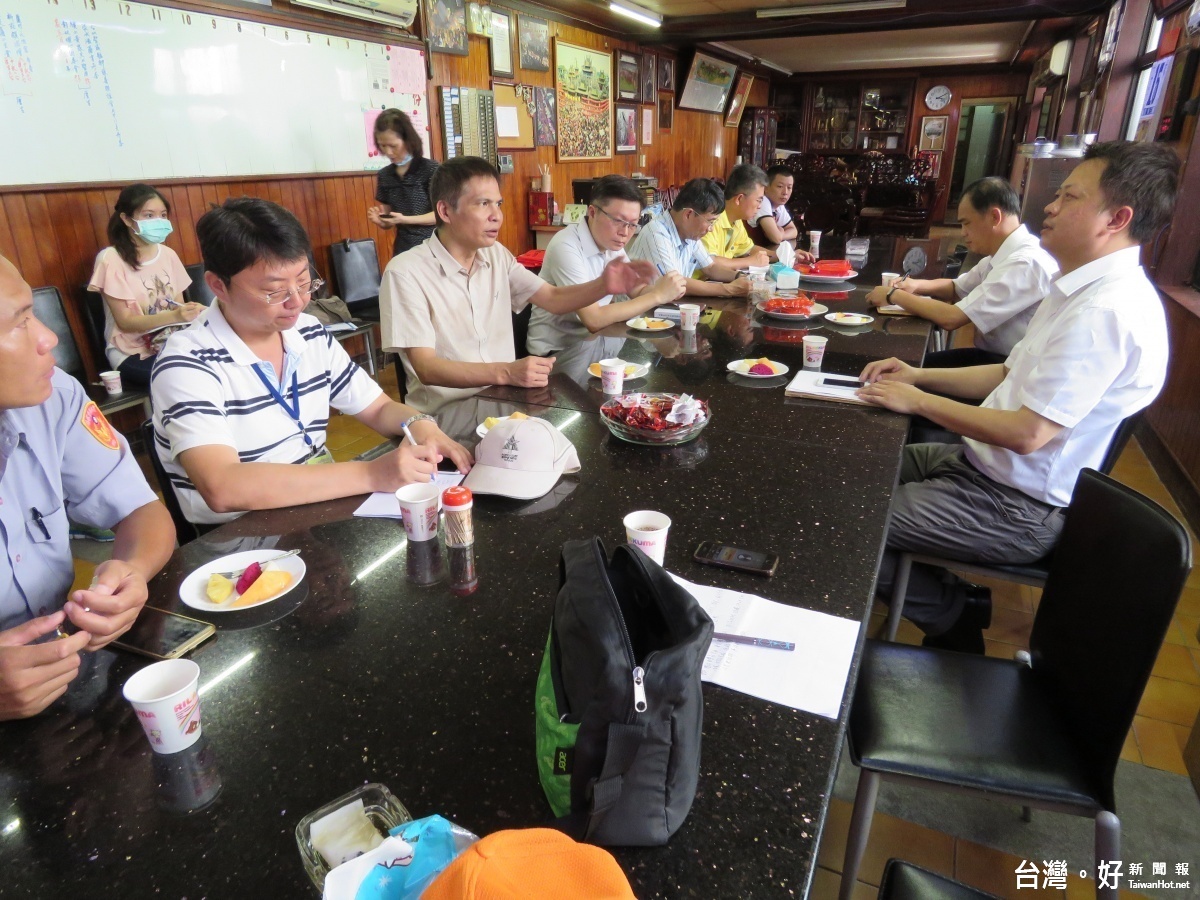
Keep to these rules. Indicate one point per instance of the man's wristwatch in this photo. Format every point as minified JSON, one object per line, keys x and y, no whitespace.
{"x":891,"y":290}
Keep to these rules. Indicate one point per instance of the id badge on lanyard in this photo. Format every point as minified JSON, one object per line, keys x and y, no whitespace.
{"x":317,"y":455}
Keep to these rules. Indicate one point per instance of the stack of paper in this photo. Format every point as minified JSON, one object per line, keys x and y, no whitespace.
{"x":816,"y":385}
{"x":384,"y":505}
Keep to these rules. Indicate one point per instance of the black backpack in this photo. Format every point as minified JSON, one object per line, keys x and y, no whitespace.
{"x":619,"y":707}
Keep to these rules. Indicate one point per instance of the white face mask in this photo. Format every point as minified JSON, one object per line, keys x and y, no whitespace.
{"x":401,"y":163}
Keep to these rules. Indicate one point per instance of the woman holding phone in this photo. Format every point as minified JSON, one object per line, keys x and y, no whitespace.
{"x":142,"y":282}
{"x":403,"y":187}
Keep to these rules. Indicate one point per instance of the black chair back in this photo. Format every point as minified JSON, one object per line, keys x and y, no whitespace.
{"x":1119,"y":439}
{"x":198,"y":291}
{"x":93,"y":319}
{"x":49,"y":309}
{"x":1119,"y":567}
{"x":184,"y":530}
{"x":356,"y":267}
{"x":521,"y":330}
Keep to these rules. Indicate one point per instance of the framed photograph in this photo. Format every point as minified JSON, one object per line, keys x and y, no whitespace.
{"x":479,"y":22}
{"x":583,"y":84}
{"x":741,"y":95}
{"x":708,"y":84}
{"x":446,"y":26}
{"x":501,"y":44}
{"x":666,"y":111}
{"x":545,"y":117}
{"x":933,"y":133}
{"x":533,"y":39}
{"x":934,"y":158}
{"x":626,"y":127}
{"x":666,"y":73}
{"x":648,"y":90}
{"x":628,"y":82}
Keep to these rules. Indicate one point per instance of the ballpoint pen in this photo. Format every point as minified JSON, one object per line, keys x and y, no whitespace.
{"x":765,"y":643}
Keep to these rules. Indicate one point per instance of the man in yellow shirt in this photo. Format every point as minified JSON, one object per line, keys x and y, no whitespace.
{"x":728,"y":239}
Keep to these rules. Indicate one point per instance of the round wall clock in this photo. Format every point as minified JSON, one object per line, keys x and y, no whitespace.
{"x":937,"y":97}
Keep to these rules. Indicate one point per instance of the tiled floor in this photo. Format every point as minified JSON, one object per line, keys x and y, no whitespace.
{"x":1165,"y":717}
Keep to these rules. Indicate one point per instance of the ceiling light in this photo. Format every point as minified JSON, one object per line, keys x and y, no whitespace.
{"x":771,"y":65}
{"x":729,"y":48}
{"x":784,"y":12}
{"x":637,"y":14}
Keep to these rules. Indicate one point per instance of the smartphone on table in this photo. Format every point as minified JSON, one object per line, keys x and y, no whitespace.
{"x":725,"y":556}
{"x":163,"y":635}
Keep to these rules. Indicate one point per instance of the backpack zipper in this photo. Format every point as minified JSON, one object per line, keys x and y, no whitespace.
{"x":639,"y":686}
{"x":639,"y":690}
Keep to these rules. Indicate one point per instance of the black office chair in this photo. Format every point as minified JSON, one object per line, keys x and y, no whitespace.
{"x":199,"y":291}
{"x":1046,"y":730}
{"x":904,"y":881}
{"x":356,"y":267}
{"x":93,"y":321}
{"x":184,"y":530}
{"x":49,"y":309}
{"x":1033,"y":574}
{"x":520,"y":323}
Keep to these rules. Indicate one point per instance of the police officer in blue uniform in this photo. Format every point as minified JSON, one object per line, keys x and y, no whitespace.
{"x":59,"y":455}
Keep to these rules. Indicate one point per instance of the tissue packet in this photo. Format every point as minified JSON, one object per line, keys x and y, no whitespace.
{"x":401,"y":867}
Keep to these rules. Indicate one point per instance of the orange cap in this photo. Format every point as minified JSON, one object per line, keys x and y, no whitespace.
{"x":530,"y":864}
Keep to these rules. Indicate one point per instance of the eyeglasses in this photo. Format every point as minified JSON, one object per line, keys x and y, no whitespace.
{"x":302,"y":291}
{"x":708,"y":221}
{"x":620,"y":224}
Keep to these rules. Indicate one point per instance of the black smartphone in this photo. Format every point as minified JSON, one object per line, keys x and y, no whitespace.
{"x":164,"y":635}
{"x":725,"y":556}
{"x":841,"y":381}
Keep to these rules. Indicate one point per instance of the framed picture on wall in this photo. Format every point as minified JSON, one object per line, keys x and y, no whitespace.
{"x":545,"y":117}
{"x":625,"y":127}
{"x":583,"y":83}
{"x":741,"y":94}
{"x":648,"y":90}
{"x":479,"y":20}
{"x":708,"y":84}
{"x":628,"y":81}
{"x":934,"y":158}
{"x":446,"y":26}
{"x":533,"y":38}
{"x":501,"y":44}
{"x":666,"y":73}
{"x":666,"y":111}
{"x":933,"y":133}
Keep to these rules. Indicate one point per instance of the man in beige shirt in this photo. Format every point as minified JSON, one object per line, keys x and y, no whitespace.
{"x":446,"y":305}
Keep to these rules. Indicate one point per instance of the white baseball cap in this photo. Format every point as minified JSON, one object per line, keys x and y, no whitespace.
{"x":521,"y":458}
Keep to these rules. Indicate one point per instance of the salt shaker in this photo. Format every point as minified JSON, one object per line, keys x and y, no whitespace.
{"x":456,"y":509}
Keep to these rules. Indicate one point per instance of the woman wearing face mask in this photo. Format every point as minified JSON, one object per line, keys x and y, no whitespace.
{"x":403,"y":186}
{"x":142,"y":282}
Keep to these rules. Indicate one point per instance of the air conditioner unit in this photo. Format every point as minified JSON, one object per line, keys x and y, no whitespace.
{"x":1053,"y":65}
{"x":387,"y":12}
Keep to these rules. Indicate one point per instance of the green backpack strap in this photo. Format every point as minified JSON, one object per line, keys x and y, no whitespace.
{"x":555,"y":738}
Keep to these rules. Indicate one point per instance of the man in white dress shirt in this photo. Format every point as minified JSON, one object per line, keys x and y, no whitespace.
{"x":999,"y":295}
{"x":1094,"y":354}
{"x":578,"y":255}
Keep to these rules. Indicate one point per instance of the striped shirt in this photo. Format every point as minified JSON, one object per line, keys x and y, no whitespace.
{"x":206,"y":390}
{"x":660,"y":243}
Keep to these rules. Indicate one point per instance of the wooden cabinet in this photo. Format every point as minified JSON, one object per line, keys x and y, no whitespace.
{"x":757,"y":134}
{"x":847,"y":117}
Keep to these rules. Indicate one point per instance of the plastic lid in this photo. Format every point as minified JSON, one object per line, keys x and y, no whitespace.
{"x":457,"y":496}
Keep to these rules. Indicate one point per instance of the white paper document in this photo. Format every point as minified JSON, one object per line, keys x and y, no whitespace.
{"x":812,"y":677}
{"x":382,"y":505}
{"x":825,"y":386}
{"x":506,"y":122}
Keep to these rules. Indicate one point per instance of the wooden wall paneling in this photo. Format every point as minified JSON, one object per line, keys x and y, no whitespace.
{"x":1174,"y":416}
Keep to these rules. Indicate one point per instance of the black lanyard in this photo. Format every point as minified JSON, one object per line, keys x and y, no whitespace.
{"x":294,"y":409}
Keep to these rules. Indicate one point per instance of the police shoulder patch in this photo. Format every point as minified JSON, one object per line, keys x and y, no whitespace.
{"x":97,"y":426}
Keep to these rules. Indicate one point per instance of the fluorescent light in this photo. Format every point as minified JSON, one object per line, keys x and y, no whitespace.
{"x":785,"y":12}
{"x":637,"y":14}
{"x":11,"y":827}
{"x":237,"y":665}
{"x":771,"y":65}
{"x":734,"y":50}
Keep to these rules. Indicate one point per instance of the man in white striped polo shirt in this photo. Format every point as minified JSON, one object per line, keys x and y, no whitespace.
{"x":241,"y":400}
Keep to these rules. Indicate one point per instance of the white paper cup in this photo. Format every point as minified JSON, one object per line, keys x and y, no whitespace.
{"x":612,"y":375}
{"x":166,"y":702}
{"x":814,"y":350}
{"x":689,"y":316}
{"x":419,"y":505}
{"x":112,"y":382}
{"x":888,"y":278}
{"x":647,"y":530}
{"x":814,"y":243}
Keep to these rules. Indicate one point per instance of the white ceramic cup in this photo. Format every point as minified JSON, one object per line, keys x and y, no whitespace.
{"x":112,"y":382}
{"x":888,"y":278}
{"x":689,"y":316}
{"x":814,"y":243}
{"x":419,"y":506}
{"x":166,"y":701}
{"x":814,"y":350}
{"x":612,"y":375}
{"x":647,"y":530}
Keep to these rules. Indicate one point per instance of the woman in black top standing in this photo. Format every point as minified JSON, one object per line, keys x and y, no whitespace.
{"x":403,"y":186}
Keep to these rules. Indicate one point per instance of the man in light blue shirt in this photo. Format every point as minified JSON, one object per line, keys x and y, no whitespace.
{"x":59,"y":457}
{"x":672,"y":241}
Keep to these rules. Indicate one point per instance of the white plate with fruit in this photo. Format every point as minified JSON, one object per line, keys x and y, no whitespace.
{"x":757,"y":368}
{"x":208,"y":589}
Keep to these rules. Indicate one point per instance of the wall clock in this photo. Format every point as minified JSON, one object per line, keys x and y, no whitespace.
{"x":937,"y":97}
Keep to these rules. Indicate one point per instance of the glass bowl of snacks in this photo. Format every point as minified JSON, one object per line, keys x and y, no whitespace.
{"x":647,"y":419}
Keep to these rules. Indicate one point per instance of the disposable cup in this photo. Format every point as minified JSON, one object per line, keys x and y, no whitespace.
{"x":814,"y":243}
{"x":814,"y":350}
{"x":689,"y":316}
{"x":647,"y":530}
{"x":419,"y":505}
{"x":112,"y":382}
{"x":612,"y":375}
{"x":167,"y":704}
{"x":888,"y":278}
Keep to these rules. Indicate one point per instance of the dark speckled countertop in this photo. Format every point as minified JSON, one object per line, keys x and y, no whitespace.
{"x":362,"y":674}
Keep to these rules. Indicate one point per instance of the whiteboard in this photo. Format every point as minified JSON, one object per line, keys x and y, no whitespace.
{"x":101,"y":90}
